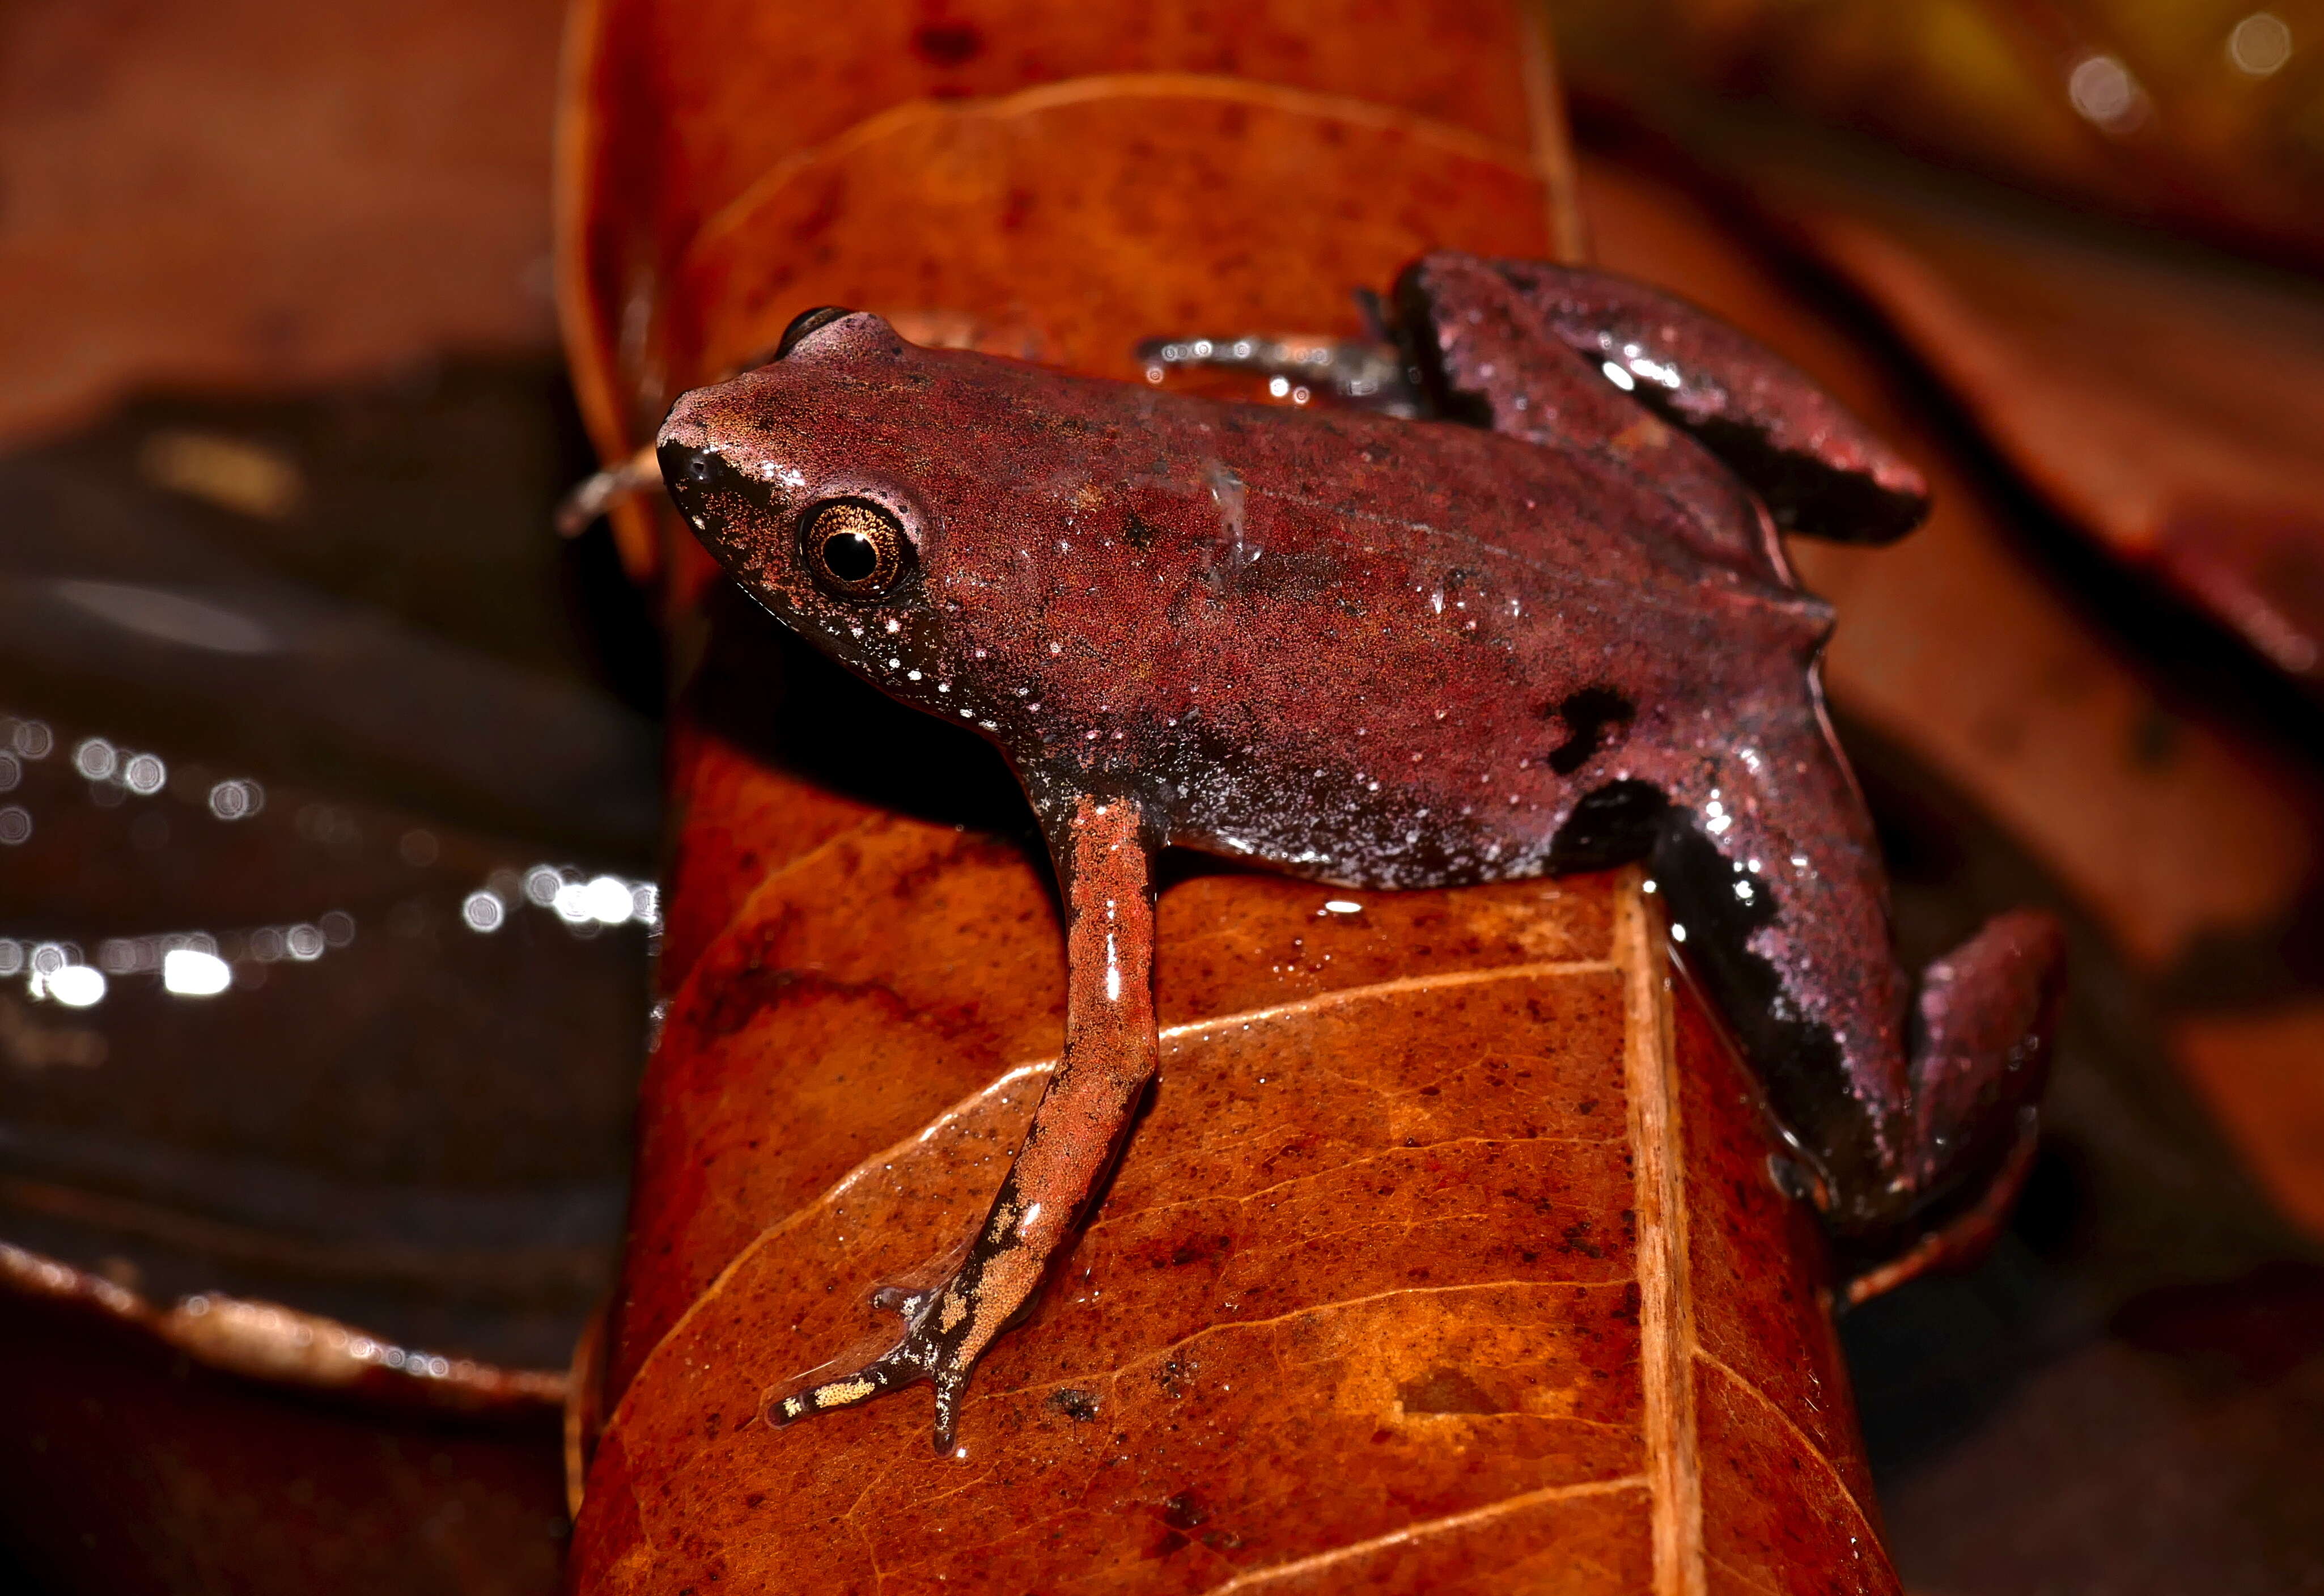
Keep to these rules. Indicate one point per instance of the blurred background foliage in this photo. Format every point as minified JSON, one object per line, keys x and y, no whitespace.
{"x":2201,"y":116}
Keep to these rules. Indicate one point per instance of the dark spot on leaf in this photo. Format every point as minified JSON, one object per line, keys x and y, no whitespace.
{"x":947,"y":44}
{"x":1185,"y":1510}
{"x":1081,"y":1406}
{"x":1448,"y":1390}
{"x":1194,"y":1249}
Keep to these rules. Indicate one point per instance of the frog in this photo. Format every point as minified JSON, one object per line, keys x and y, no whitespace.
{"x":1537,"y":618}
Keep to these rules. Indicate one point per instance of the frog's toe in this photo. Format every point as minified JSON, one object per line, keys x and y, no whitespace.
{"x":901,"y":1299}
{"x":849,"y":1390}
{"x":1959,"y":1239}
{"x":1987,"y":1011}
{"x":931,"y":1350}
{"x":1985,"y":1023}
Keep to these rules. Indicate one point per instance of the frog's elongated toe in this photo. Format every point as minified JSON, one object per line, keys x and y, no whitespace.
{"x":928,"y":1352}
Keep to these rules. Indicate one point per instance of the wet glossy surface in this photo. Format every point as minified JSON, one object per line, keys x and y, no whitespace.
{"x":326,"y":890}
{"x":266,"y":1041}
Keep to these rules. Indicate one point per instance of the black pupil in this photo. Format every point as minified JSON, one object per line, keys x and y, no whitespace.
{"x":850,"y":555}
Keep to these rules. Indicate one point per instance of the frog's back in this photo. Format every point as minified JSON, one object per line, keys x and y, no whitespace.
{"x":1383,"y":652}
{"x":1548,"y":520}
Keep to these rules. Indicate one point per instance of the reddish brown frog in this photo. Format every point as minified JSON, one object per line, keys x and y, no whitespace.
{"x":1551,"y":630}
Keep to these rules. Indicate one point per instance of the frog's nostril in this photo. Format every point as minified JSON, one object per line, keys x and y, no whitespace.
{"x":683,"y":465}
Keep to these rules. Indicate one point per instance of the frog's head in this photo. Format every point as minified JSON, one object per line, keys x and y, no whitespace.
{"x":779,"y":473}
{"x":1048,"y":559}
{"x":821,"y":481}
{"x":949,"y":525}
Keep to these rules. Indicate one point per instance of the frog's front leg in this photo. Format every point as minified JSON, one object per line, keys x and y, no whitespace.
{"x":1106,"y":862}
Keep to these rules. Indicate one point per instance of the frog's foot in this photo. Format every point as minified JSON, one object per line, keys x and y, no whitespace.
{"x":941,"y":1346}
{"x":1818,"y":469}
{"x":1982,"y":1032}
{"x":1960,"y":1240}
{"x":1984,"y":1021}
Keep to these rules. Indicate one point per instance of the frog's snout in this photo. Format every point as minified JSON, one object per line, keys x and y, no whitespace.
{"x":685,"y":466}
{"x":684,"y":439}
{"x":697,"y":474}
{"x":687,"y":469}
{"x":688,"y":446}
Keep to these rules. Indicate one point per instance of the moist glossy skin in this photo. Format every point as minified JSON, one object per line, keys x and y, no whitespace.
{"x":1557,"y":632}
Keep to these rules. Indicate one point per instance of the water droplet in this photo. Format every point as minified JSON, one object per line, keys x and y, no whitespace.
{"x":2103,"y":92}
{"x":190,"y":973}
{"x":2260,"y":45}
{"x":76,"y":986}
{"x":94,"y":758}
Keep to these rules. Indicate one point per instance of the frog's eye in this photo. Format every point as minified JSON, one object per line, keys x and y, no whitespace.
{"x":854,"y":549}
{"x":806,"y":324}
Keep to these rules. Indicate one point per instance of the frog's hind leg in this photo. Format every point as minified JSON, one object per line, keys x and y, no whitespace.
{"x":1905,"y":1102}
{"x":1487,"y":353}
{"x":1105,"y":860}
{"x":1818,"y":469}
